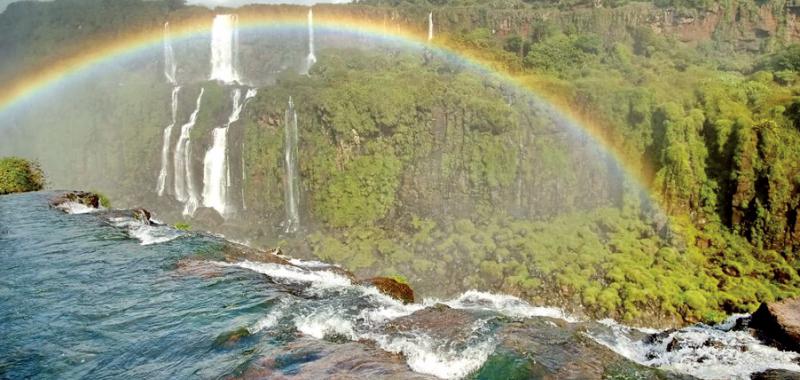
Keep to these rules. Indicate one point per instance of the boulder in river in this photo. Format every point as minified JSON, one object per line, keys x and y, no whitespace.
{"x":81,"y":197}
{"x":778,"y":323}
{"x":775,"y":374}
{"x":392,"y":288}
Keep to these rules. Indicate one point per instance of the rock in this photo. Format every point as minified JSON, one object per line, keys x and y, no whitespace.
{"x":440,"y":322}
{"x":392,"y":288}
{"x":775,"y":374}
{"x":308,"y":358}
{"x":82,"y":197}
{"x":207,"y":216}
{"x":778,"y":323}
{"x":189,"y":266}
{"x":563,"y":351}
{"x":673,"y":345}
{"x":237,"y":252}
{"x":142,"y":215}
{"x":231,"y":338}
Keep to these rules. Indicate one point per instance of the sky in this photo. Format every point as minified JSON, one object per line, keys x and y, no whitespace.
{"x":227,"y":3}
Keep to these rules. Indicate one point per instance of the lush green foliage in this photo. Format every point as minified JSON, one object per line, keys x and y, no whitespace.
{"x":412,"y":164}
{"x":18,"y":175}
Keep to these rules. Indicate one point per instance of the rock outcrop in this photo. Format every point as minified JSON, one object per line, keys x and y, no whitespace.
{"x":775,"y":374}
{"x":392,"y":288}
{"x":778,"y":323}
{"x":81,"y":197}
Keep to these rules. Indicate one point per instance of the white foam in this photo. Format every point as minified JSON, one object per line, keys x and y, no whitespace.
{"x":318,"y":279}
{"x":311,"y":264}
{"x":146,"y":234}
{"x":76,"y":208}
{"x":504,"y":304}
{"x":704,"y":352}
{"x":429,"y":356}
{"x":271,"y":320}
{"x":325,"y":322}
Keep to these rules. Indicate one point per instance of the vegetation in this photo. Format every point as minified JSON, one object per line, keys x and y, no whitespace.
{"x":18,"y":175}
{"x":413,"y":163}
{"x":183,"y":226}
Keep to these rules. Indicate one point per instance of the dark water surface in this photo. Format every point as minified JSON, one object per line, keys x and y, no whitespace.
{"x":79,"y":298}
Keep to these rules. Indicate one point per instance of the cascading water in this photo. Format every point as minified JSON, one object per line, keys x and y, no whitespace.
{"x":430,"y":26}
{"x":162,"y":174}
{"x":170,"y":67}
{"x":312,"y":58}
{"x":184,"y":180}
{"x":290,"y":159}
{"x":216,"y":167}
{"x":224,"y":41}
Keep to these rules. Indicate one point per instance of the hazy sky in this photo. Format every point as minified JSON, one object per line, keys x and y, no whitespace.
{"x":228,"y":3}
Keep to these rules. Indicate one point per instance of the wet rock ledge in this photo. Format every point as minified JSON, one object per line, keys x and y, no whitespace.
{"x":778,"y":323}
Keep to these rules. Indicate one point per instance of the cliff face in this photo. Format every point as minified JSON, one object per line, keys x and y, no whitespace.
{"x":744,"y":24}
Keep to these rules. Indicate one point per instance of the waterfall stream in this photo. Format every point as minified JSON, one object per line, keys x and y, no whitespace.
{"x":162,"y":174}
{"x":312,"y":58}
{"x":291,"y":181}
{"x":224,"y":46}
{"x":184,"y":179}
{"x":216,"y":165}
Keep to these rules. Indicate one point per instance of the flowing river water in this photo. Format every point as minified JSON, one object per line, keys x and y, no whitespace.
{"x":99,"y":294}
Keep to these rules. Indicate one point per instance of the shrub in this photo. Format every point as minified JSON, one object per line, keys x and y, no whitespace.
{"x":18,"y":175}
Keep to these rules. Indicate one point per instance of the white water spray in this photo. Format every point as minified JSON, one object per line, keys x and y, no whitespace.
{"x":216,"y":165}
{"x":170,"y":67}
{"x":184,"y":179}
{"x":430,"y":26}
{"x":291,"y":181}
{"x":162,"y":174}
{"x":224,"y":48}
{"x":312,"y":58}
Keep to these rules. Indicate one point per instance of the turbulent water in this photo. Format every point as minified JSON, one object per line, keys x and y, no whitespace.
{"x":99,"y":294}
{"x":216,"y":172}
{"x":224,"y":46}
{"x":184,"y":177}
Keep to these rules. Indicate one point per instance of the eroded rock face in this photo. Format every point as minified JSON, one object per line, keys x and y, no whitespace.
{"x":392,"y":288}
{"x":778,"y":323}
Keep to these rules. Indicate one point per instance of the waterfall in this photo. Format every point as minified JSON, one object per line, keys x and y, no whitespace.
{"x":216,"y":166}
{"x":311,"y":59}
{"x":291,"y":181}
{"x":162,"y":174}
{"x":430,"y":26}
{"x":244,"y":178}
{"x":170,"y":67}
{"x":224,"y":48}
{"x":184,"y":180}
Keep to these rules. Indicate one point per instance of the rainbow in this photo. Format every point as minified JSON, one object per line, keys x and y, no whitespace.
{"x":27,"y":85}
